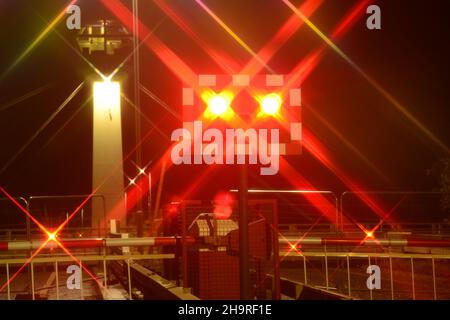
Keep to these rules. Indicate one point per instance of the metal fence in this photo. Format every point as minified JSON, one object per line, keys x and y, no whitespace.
{"x":61,"y":207}
{"x":407,"y":271}
{"x":94,"y":272}
{"x":345,"y":273}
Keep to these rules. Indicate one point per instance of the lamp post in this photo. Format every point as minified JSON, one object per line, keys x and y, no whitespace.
{"x":244,"y":261}
{"x":277,"y":110}
{"x":107,"y":169}
{"x":139,"y":216}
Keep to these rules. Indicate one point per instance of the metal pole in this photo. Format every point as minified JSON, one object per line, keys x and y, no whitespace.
{"x":276,"y":252}
{"x":29,"y":237}
{"x":391,"y":274}
{"x":32,"y":280}
{"x":81,"y":281}
{"x":304,"y":270}
{"x":184,"y":249}
{"x":105,"y":276}
{"x":370,"y":290}
{"x":412,"y":279}
{"x":348,"y":277}
{"x":434,"y":279}
{"x":28,"y":223}
{"x":244,"y":265}
{"x":137,"y":119}
{"x":341,"y":209}
{"x":326,"y":266}
{"x":129,"y":279}
{"x":7,"y":282}
{"x":159,"y":191}
{"x":57,"y":280}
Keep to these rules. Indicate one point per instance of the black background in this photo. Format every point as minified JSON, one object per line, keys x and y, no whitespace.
{"x":409,"y":57}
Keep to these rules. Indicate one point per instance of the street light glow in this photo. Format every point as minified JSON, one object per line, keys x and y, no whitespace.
{"x":106,"y":95}
{"x":107,"y":152}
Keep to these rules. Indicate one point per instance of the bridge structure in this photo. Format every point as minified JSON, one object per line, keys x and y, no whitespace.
{"x":188,"y":252}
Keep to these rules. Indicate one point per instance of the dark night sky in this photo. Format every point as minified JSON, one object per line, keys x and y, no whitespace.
{"x":409,"y":57}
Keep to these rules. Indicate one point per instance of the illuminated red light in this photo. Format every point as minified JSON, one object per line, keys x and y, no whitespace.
{"x":218,"y":105}
{"x":52,"y":236}
{"x":271,"y":104}
{"x":223,"y":206}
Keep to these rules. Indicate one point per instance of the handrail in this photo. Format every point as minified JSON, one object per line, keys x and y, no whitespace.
{"x":292,"y":242}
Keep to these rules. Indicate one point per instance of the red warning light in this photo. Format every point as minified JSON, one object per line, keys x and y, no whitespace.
{"x":223,"y":205}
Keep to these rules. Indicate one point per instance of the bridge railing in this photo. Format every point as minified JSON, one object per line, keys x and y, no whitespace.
{"x":93,"y":270}
{"x":52,"y":210}
{"x":345,"y":270}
